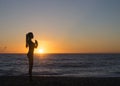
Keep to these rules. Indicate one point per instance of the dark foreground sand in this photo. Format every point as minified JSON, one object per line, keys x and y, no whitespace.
{"x":58,"y":81}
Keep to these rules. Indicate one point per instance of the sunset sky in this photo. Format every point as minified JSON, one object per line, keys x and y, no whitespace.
{"x":61,"y":26}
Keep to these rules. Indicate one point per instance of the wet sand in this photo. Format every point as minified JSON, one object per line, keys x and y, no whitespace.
{"x":58,"y":81}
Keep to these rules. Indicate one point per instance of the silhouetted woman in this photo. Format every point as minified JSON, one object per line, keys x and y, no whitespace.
{"x":31,"y":45}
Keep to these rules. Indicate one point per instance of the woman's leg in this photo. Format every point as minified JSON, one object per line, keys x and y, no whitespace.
{"x":30,"y":66}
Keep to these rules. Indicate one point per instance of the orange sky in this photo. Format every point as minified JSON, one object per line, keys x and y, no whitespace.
{"x":62,"y":47}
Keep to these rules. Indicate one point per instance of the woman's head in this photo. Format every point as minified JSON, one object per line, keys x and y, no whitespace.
{"x":29,"y":36}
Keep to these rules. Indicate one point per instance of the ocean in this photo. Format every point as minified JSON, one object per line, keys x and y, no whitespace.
{"x":74,"y":65}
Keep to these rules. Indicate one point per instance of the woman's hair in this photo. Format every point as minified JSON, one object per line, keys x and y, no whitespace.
{"x":29,"y":36}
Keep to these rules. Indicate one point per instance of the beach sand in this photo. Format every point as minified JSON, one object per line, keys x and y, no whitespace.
{"x":58,"y":81}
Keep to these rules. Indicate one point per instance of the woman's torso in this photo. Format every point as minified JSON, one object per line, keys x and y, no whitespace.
{"x":31,"y":47}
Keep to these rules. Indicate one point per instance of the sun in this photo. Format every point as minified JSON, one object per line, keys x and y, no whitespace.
{"x":41,"y":50}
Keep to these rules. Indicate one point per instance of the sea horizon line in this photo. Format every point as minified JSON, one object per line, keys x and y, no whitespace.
{"x":60,"y":53}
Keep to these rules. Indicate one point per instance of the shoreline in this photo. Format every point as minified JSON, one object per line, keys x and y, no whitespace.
{"x":59,"y":81}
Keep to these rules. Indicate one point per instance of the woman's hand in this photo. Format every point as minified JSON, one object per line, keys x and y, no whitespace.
{"x":36,"y":42}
